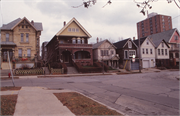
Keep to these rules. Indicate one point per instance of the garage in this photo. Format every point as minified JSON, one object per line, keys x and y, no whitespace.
{"x":145,"y":64}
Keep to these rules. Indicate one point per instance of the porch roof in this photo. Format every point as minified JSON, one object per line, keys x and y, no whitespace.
{"x":8,"y":43}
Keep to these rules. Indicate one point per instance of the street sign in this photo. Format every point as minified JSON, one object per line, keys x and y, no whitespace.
{"x":133,"y":59}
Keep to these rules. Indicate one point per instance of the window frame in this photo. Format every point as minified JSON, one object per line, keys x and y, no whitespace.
{"x":126,"y":51}
{"x":7,"y":37}
{"x":147,"y":51}
{"x":162,"y":50}
{"x":151,"y":51}
{"x":131,"y":55}
{"x":22,"y":37}
{"x":129,"y":44}
{"x":159,"y":52}
{"x":20,"y":50}
{"x":27,"y":37}
{"x":29,"y":54}
{"x":166,"y":53}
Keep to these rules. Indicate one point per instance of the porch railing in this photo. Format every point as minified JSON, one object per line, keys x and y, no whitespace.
{"x":24,"y":58}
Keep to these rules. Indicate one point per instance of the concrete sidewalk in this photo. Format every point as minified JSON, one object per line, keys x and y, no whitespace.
{"x":36,"y":101}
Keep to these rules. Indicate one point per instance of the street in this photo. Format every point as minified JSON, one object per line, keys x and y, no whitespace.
{"x":154,"y":93}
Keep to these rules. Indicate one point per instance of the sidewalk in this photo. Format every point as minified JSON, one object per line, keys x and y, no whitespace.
{"x":37,"y":101}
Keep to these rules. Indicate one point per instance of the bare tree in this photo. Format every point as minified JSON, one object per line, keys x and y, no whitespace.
{"x":144,"y":5}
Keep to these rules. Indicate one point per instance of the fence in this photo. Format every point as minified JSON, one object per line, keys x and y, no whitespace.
{"x":57,"y":71}
{"x":39,"y":71}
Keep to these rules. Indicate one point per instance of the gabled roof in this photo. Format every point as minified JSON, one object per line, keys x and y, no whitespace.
{"x":13,"y":24}
{"x":141,"y":41}
{"x":158,"y":41}
{"x":74,"y":20}
{"x":96,"y":45}
{"x":166,"y":35}
{"x":122,"y":43}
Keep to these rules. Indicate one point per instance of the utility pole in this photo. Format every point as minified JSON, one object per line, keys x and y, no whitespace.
{"x":139,"y":51}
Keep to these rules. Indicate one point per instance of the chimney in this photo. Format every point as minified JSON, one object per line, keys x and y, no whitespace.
{"x":32,"y":22}
{"x":133,"y":38}
{"x":64,"y":23}
{"x":97,"y":39}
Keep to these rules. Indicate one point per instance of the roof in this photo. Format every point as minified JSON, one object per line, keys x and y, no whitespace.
{"x":73,"y":20}
{"x":120,"y":44}
{"x":7,"y":43}
{"x":141,"y":41}
{"x":166,"y":35}
{"x":96,"y":45}
{"x":11,"y":25}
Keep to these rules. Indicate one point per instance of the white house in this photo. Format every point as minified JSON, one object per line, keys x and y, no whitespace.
{"x":147,"y":52}
{"x":162,"y":52}
{"x":105,"y":51}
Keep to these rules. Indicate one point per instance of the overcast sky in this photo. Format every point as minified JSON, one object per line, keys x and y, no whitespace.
{"x":114,"y":21}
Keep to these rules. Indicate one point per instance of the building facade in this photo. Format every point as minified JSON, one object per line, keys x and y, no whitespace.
{"x":44,"y":52}
{"x":105,"y":51}
{"x":154,"y":23}
{"x":126,"y":49}
{"x":147,"y":52}
{"x":20,"y":38}
{"x":70,"y":45}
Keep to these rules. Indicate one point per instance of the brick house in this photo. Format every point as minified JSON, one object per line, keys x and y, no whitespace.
{"x":21,"y":39}
{"x":70,"y":45}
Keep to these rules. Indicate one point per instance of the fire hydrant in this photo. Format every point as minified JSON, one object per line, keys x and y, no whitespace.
{"x":9,"y":74}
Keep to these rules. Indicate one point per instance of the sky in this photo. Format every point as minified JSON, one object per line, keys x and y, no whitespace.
{"x":114,"y":22}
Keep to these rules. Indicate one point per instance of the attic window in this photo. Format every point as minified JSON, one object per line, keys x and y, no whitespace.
{"x":176,"y":38}
{"x":129,"y":44}
{"x":162,"y":44}
{"x":69,"y":29}
{"x":147,"y":42}
{"x":73,"y":29}
{"x":77,"y":30}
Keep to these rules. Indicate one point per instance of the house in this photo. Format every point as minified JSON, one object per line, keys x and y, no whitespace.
{"x":44,"y":52}
{"x":126,"y":49}
{"x":147,"y":52}
{"x":20,"y":38}
{"x":172,"y":38}
{"x":70,"y":45}
{"x":105,"y":51}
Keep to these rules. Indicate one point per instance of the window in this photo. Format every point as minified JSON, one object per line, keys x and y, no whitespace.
{"x":28,"y":52}
{"x":27,"y":37}
{"x":158,"y":51}
{"x":151,"y":51}
{"x":20,"y":52}
{"x":143,"y":51}
{"x":82,"y":40}
{"x":112,"y":52}
{"x":61,"y":41}
{"x":166,"y":52}
{"x":79,"y":41}
{"x":102,"y":53}
{"x":146,"y":51}
{"x":162,"y":44}
{"x":69,"y":29}
{"x":74,"y":41}
{"x":22,"y":26}
{"x":26,"y":26}
{"x":129,"y":44}
{"x":77,"y":30}
{"x":125,"y":54}
{"x":22,"y":36}
{"x":147,"y":42}
{"x":177,"y":55}
{"x":131,"y":53}
{"x":176,"y":37}
{"x":162,"y":50}
{"x":7,"y":36}
{"x":105,"y":52}
{"x":73,"y":29}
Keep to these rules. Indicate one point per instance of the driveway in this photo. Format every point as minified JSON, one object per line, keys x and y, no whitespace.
{"x":154,"y":93}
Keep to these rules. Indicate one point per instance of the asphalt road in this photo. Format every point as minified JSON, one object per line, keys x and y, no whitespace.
{"x":134,"y":94}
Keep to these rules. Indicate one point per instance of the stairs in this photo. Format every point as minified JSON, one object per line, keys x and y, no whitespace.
{"x":72,"y":70}
{"x":5,"y":65}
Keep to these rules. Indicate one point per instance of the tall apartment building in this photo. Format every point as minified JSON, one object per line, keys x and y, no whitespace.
{"x":154,"y":23}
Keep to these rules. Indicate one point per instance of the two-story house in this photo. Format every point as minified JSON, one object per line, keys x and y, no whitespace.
{"x":147,"y":52}
{"x":105,"y":51}
{"x":70,"y":45}
{"x":126,"y":49}
{"x":172,"y":38}
{"x":20,"y":38}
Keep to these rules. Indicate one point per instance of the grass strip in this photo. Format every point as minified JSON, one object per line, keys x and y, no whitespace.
{"x":8,"y":103}
{"x":81,"y":105}
{"x":10,"y":88}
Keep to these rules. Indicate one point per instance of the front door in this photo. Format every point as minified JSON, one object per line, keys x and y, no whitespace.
{"x":66,"y":57}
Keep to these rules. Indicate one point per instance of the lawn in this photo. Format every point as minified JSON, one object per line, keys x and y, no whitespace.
{"x":81,"y":105}
{"x":8,"y":103}
{"x":10,"y":88}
